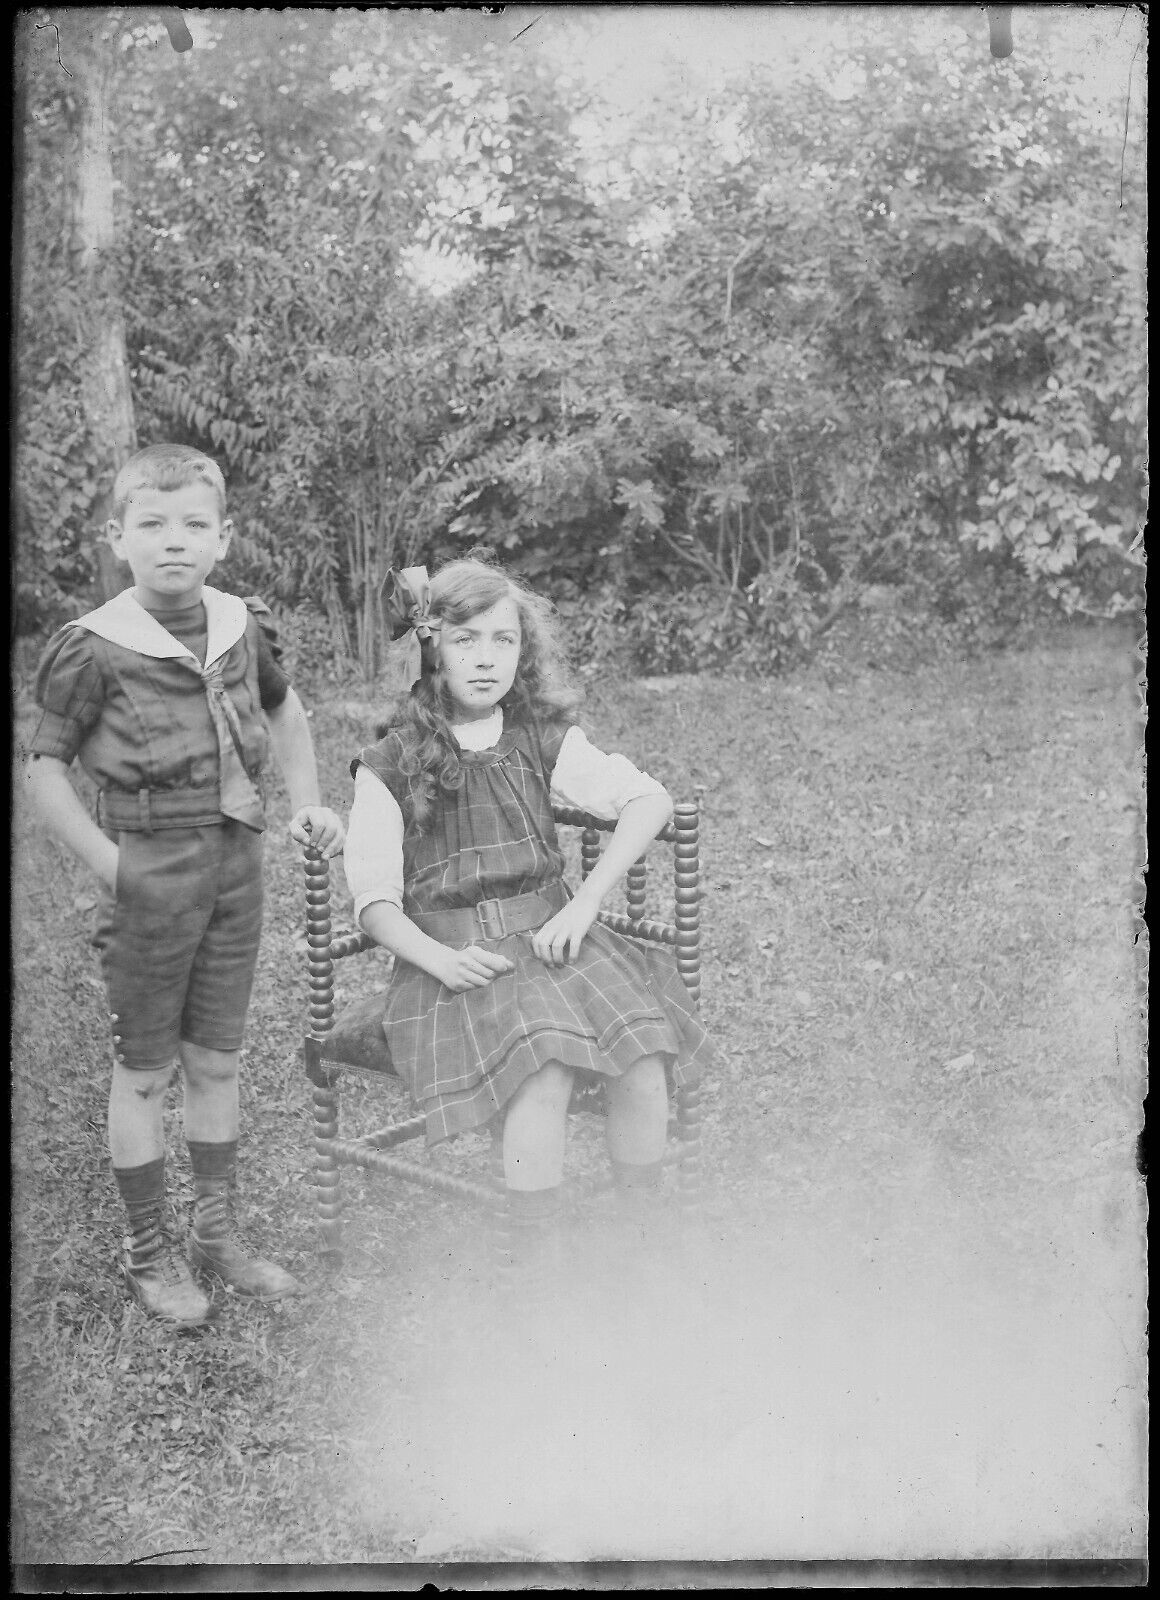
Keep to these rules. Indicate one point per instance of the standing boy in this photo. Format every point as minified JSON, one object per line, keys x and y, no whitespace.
{"x":169,"y":696}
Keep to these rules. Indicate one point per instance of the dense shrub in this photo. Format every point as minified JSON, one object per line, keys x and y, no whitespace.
{"x":879,"y":327}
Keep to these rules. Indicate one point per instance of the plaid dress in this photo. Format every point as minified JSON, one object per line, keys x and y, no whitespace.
{"x":464,"y":1055}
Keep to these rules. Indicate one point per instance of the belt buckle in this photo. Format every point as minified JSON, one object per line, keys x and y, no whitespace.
{"x":487,"y":912}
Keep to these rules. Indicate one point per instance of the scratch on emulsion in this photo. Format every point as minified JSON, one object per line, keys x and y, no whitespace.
{"x":56,"y":30}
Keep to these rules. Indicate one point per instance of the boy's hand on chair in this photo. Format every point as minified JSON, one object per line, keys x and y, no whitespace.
{"x":472,"y":968}
{"x":319,"y":826}
{"x":559,"y":940}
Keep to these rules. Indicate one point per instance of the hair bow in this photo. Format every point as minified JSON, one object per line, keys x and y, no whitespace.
{"x":405,"y":597}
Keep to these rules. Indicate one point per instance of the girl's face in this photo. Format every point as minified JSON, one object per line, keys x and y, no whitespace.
{"x":479,"y":659}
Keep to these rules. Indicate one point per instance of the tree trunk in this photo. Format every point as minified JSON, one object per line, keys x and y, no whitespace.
{"x":88,"y":50}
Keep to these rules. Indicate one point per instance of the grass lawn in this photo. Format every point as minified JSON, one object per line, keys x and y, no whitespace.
{"x":911,"y":1323}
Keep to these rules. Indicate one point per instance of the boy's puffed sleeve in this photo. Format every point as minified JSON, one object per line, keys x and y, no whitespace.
{"x":273,"y":684}
{"x":588,"y":780}
{"x":70,"y":692}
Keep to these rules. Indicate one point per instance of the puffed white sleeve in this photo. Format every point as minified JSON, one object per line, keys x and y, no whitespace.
{"x":373,"y":853}
{"x":588,"y":780}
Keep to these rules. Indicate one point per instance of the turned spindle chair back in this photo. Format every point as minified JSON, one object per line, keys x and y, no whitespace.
{"x":353,"y":1039}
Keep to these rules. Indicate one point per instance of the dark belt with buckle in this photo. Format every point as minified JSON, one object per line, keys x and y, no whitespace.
{"x":149,"y":810}
{"x":494,"y":919}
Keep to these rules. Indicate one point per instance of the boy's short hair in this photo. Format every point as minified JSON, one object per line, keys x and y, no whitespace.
{"x":166,"y":466}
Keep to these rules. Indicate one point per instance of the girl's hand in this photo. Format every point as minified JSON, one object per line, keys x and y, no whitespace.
{"x":472,"y":968}
{"x":319,"y":826}
{"x":559,"y":940}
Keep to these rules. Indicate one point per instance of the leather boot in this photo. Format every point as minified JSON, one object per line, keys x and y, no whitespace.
{"x":214,"y":1245}
{"x":154,"y":1271}
{"x":158,"y":1277}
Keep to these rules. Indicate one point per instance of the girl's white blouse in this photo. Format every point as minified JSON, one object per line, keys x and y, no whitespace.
{"x":584,"y":778}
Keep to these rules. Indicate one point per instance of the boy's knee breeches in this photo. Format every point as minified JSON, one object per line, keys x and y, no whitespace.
{"x":179,"y":940}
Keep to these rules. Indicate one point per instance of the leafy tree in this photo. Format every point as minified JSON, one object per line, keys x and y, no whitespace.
{"x":76,"y":380}
{"x":852,"y":327}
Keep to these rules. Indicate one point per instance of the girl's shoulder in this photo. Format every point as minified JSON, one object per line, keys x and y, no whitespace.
{"x":541,"y":737}
{"x":384,"y":758}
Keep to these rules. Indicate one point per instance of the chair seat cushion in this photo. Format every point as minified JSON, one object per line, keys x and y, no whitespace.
{"x":357,"y":1038}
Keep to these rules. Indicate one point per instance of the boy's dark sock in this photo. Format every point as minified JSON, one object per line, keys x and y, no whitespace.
{"x":142,"y":1191}
{"x":213,"y":1247}
{"x":216,"y":1159}
{"x":214,"y":1178}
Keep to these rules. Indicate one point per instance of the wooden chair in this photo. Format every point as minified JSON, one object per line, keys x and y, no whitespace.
{"x":354,"y":1039}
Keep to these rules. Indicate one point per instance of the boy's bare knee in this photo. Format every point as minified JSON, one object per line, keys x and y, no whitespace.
{"x":208,"y":1066}
{"x":143,"y":1083}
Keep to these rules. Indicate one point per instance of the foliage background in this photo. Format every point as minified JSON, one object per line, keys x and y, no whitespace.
{"x":862,"y":312}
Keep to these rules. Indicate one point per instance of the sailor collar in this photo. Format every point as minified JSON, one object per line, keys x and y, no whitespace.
{"x":125,"y":621}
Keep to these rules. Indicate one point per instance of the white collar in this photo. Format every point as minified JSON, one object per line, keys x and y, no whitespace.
{"x":124,"y":620}
{"x":481,"y":734}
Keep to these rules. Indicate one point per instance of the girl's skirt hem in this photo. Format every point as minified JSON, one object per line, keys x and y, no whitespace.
{"x":464,"y":1055}
{"x":473,"y":1108}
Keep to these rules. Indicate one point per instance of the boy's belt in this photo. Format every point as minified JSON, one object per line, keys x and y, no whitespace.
{"x":494,"y":919}
{"x":145,"y":810}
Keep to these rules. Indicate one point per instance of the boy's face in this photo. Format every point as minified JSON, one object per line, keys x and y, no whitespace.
{"x":479,"y":659}
{"x":171,"y":539}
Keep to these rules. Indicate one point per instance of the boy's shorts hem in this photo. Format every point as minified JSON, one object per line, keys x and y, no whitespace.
{"x":146,"y":1066}
{"x":227,"y":1046}
{"x":223,"y":1048}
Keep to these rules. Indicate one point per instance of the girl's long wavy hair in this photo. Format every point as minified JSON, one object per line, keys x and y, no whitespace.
{"x":542,"y":689}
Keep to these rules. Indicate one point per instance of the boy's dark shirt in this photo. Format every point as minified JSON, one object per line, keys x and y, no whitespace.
{"x":189,"y":627}
{"x":79,"y":703}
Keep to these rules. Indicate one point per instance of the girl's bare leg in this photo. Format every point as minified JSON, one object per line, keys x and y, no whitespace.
{"x":535,"y":1128}
{"x":638,"y":1113}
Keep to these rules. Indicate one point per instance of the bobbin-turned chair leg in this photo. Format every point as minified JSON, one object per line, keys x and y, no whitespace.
{"x":687,"y":900}
{"x":688,"y":1103}
{"x":328,"y":1194}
